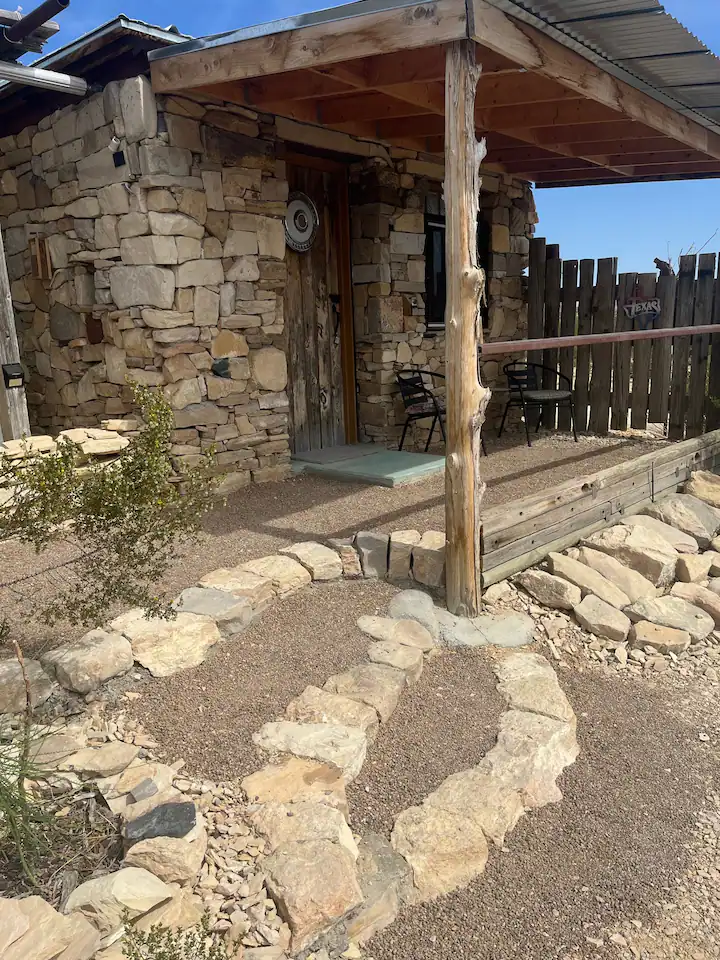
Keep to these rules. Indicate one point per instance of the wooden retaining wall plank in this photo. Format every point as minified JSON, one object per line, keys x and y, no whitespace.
{"x":553,"y":287}
{"x":661,"y":362}
{"x":700,"y":346}
{"x":642,"y":350}
{"x":536,"y":294}
{"x":622,"y":356}
{"x":681,"y":347}
{"x":603,"y":322}
{"x":582,"y":367}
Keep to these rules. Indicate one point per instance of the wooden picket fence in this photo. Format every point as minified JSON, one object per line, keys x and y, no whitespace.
{"x":670,"y":381}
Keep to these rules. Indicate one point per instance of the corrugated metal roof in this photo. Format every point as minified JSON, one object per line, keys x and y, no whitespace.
{"x":641,"y":38}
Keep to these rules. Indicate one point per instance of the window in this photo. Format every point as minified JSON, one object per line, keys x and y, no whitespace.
{"x":435,"y":281}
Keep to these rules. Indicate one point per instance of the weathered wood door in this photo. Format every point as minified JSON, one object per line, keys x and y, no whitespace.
{"x":318,"y":319}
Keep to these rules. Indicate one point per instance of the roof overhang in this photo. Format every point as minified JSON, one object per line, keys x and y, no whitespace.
{"x":375,"y":69}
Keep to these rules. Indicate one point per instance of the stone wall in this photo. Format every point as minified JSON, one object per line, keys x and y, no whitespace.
{"x":165,"y":266}
{"x":389,"y":200}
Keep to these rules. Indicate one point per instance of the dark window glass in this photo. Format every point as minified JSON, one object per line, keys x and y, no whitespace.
{"x":435,"y":280}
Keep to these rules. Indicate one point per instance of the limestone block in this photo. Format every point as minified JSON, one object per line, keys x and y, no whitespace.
{"x":240,"y":583}
{"x":175,"y":224}
{"x":159,"y":158}
{"x":692,"y":568}
{"x":428,"y":559}
{"x":689,"y":514}
{"x":632,"y":583}
{"x":135,"y":286}
{"x":184,"y":132}
{"x":105,"y":760}
{"x":589,"y":580}
{"x":166,"y":646}
{"x":410,"y":633}
{"x":199,"y":273}
{"x":295,"y":780}
{"x":373,"y":550}
{"x":661,"y":638}
{"x":95,"y":658}
{"x":229,"y":344}
{"x":85,"y":207}
{"x":114,"y":199}
{"x":269,"y":368}
{"x":528,"y":682}
{"x":232,"y":614}
{"x":182,"y":393}
{"x":285,"y":574}
{"x":240,"y":243}
{"x":376,"y":685}
{"x":415,"y":605}
{"x":271,"y":237}
{"x":303,"y":822}
{"x":166,"y":319}
{"x":171,"y":859}
{"x":705,"y":486}
{"x":99,"y":170}
{"x":673,"y":611}
{"x":201,"y":414}
{"x":212,"y":182}
{"x":602,"y":619}
{"x":320,"y":706}
{"x":104,"y":900}
{"x":412,"y":244}
{"x":701,"y":597}
{"x":140,"y":250}
{"x":638,"y":548}
{"x":65,"y":324}
{"x":385,"y":314}
{"x":682,"y":542}
{"x":139,"y":112}
{"x":133,"y":225}
{"x":401,"y":546}
{"x":12,"y":685}
{"x":343,"y":747}
{"x":320,"y":561}
{"x":206,"y":309}
{"x":549,"y":590}
{"x":401,"y":657}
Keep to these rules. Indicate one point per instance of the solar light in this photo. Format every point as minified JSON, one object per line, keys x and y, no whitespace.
{"x":13,"y":376}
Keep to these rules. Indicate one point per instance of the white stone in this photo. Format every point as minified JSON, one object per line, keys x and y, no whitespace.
{"x":689,"y":514}
{"x":95,"y":658}
{"x":142,"y":286}
{"x":105,"y":760}
{"x":344,"y":747}
{"x":673,"y":611}
{"x":407,"y":659}
{"x":12,"y":685}
{"x":104,"y":900}
{"x":408,"y":632}
{"x":166,"y":646}
{"x":320,"y":561}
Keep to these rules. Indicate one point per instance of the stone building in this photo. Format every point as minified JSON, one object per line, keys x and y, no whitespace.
{"x":145,"y":241}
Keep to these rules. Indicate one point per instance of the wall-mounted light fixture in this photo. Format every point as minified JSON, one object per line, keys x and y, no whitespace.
{"x":13,"y":376}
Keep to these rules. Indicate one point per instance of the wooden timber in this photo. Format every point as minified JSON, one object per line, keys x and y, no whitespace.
{"x":14,"y":420}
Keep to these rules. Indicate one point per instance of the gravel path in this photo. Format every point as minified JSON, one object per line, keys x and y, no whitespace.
{"x":445,"y":723}
{"x":208,"y":715}
{"x":608,"y":851}
{"x":264,"y":517}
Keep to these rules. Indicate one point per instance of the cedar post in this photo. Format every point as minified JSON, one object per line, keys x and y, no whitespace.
{"x":466,"y":396}
{"x":14,"y":422}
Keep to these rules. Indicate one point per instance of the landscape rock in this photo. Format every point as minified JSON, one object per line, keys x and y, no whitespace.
{"x":373,"y":551}
{"x":385,"y":877}
{"x":602,"y":619}
{"x":232,"y":614}
{"x":530,"y":754}
{"x":415,"y":605}
{"x":166,"y":646}
{"x":95,"y":658}
{"x":589,"y":580}
{"x":314,"y":884}
{"x":689,"y":514}
{"x":689,"y":568}
{"x":320,"y":561}
{"x":428,"y":559}
{"x":303,"y":822}
{"x":13,"y":923}
{"x":295,"y":780}
{"x":117,"y":789}
{"x":103,"y":761}
{"x":400,"y":559}
{"x":174,"y":819}
{"x":549,"y":590}
{"x":682,"y":542}
{"x":47,"y":934}
{"x":344,"y":747}
{"x":459,"y":631}
{"x":672,"y":611}
{"x":638,"y":548}
{"x":528,"y":682}
{"x":407,"y":659}
{"x":286,"y":575}
{"x":378,"y":686}
{"x":184,"y":910}
{"x":700,"y":597}
{"x":12,"y":685}
{"x":319,"y":706}
{"x":663,"y":639}
{"x":408,"y":632}
{"x":446,"y":849}
{"x":241,"y":583}
{"x":494,"y":807}
{"x":171,"y":859}
{"x":630,"y":582}
{"x":103,"y":900}
{"x":507,"y":629}
{"x":349,"y":557}
{"x":705,"y":486}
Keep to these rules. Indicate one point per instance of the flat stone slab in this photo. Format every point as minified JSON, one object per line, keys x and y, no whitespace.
{"x":164,"y":820}
{"x":663,"y":639}
{"x":95,"y":658}
{"x":320,"y":561}
{"x":166,"y":646}
{"x":104,"y":761}
{"x":415,"y":605}
{"x":692,"y":568}
{"x":241,"y":583}
{"x":45,"y":933}
{"x":303,"y":822}
{"x":602,"y":619}
{"x":295,"y":780}
{"x":588,"y":580}
{"x":549,"y":590}
{"x":638,"y":548}
{"x":673,"y":612}
{"x":410,"y":633}
{"x":314,"y":884}
{"x":530,"y":754}
{"x":286,"y":575}
{"x":482,"y":798}
{"x":528,"y":682}
{"x":407,"y":659}
{"x":232,"y":614}
{"x":171,"y":859}
{"x":319,"y":706}
{"x":459,"y":631}
{"x":682,"y":542}
{"x":373,"y":551}
{"x":701,"y":597}
{"x":104,"y":900}
{"x":377,"y":685}
{"x":343,"y":747}
{"x":689,"y":514}
{"x":12,"y":685}
{"x":705,"y":486}
{"x":629,"y":581}
{"x":505,"y":629}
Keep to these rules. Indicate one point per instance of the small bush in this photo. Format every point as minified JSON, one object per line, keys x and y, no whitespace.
{"x":162,"y":943}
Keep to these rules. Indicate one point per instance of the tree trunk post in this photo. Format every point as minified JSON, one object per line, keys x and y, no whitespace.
{"x":14,"y":421}
{"x":466,"y":396}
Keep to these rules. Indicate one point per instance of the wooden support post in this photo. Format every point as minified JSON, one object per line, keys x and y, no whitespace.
{"x":466,"y":396}
{"x":14,"y":421}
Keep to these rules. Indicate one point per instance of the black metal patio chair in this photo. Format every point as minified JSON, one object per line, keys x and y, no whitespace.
{"x":421,"y":401}
{"x":526,"y":392}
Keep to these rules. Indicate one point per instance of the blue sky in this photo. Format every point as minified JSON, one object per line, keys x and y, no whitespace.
{"x":635,"y":222}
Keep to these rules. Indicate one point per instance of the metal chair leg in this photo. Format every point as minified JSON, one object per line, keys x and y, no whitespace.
{"x":540,"y":420}
{"x":482,"y":444}
{"x":527,"y":428}
{"x":405,"y":429}
{"x":432,"y":430}
{"x":502,"y":422}
{"x":442,"y":427}
{"x":572,"y":419}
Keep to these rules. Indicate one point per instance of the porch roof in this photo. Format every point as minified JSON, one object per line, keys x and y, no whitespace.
{"x":557,"y":110}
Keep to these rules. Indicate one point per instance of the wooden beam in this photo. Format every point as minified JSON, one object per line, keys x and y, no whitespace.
{"x":593,"y":132}
{"x":295,"y":85}
{"x":14,"y":420}
{"x":319,"y":44}
{"x":563,"y":112}
{"x":422,"y":125}
{"x":499,"y":348}
{"x":545,"y":56}
{"x":466,"y":397}
{"x":665,"y":158}
{"x":366,"y":106}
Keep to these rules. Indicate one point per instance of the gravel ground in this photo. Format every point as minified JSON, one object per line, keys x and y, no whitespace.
{"x":261,"y":518}
{"x":208,"y":715}
{"x":445,"y":723}
{"x":610,"y":850}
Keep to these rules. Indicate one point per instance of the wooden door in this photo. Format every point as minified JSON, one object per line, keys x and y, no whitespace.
{"x":318,"y":319}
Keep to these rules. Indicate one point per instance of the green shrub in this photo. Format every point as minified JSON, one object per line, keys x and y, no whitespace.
{"x":162,"y":943}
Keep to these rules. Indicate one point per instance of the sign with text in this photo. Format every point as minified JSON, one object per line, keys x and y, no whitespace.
{"x":643,"y":311}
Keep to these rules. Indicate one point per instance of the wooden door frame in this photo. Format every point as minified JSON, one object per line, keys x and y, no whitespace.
{"x":347,"y":325}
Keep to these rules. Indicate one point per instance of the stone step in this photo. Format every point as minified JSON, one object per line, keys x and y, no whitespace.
{"x":343,"y":747}
{"x":673,"y":611}
{"x":588,"y":580}
{"x":689,"y":514}
{"x":638,"y":548}
{"x":633,"y":584}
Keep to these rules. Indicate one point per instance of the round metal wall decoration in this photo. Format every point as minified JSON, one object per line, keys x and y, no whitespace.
{"x":301,"y":222}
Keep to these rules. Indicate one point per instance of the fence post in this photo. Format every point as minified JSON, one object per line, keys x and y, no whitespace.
{"x":553,"y":283}
{"x":681,"y":347}
{"x":536,"y":294}
{"x":646,"y":286}
{"x":662,"y":353}
{"x":582,"y":370}
{"x":603,"y":322}
{"x":568,"y":319}
{"x":699,"y":346}
{"x":622,"y":356}
{"x":713,"y":410}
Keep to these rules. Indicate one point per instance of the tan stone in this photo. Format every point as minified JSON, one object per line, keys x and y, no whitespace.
{"x":199,"y":273}
{"x":153,"y":249}
{"x":428,"y":559}
{"x":660,"y":638}
{"x":343,"y":747}
{"x":407,"y":659}
{"x":374,"y":684}
{"x":240,"y":243}
{"x":13,"y":923}
{"x":174,"y":224}
{"x":682,"y":542}
{"x":142,"y":286}
{"x":286,"y":574}
{"x":701,"y":597}
{"x":528,"y":682}
{"x":689,"y":514}
{"x":640,"y":549}
{"x":229,"y":344}
{"x":549,"y":590}
{"x":104,"y":761}
{"x":172,"y":859}
{"x":692,"y":568}
{"x":401,"y":547}
{"x":602,"y":619}
{"x":408,"y":632}
{"x":320,"y":561}
{"x":494,"y":807}
{"x":295,"y":780}
{"x":47,"y":935}
{"x":133,"y":224}
{"x":269,"y":368}
{"x":705,"y":486}
{"x":12,"y":685}
{"x":206,"y":310}
{"x":632,"y":583}
{"x":83,"y":666}
{"x":672,"y":611}
{"x":242,"y":583}
{"x":166,"y":646}
{"x":104,"y":900}
{"x":282,"y":823}
{"x":588,"y":580}
{"x":319,"y":706}
{"x":181,"y":394}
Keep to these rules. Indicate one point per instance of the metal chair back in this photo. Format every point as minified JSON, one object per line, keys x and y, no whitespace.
{"x":521,"y":376}
{"x":412,"y":387}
